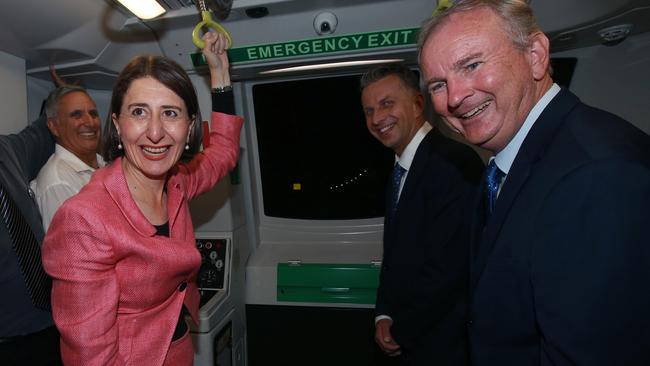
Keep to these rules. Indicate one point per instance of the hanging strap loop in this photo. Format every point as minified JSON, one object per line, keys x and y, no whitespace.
{"x":207,"y":22}
{"x":442,"y":6}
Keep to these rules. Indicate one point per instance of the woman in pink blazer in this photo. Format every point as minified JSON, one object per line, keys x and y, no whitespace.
{"x":122,"y":253}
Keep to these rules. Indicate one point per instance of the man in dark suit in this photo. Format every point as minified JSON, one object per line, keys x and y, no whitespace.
{"x":421,"y":300}
{"x":27,"y":332}
{"x":562,"y":259}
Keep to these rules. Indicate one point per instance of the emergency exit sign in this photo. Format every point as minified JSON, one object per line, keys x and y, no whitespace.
{"x":318,"y":46}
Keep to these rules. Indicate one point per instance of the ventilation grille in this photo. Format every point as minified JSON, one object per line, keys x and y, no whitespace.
{"x":615,"y":33}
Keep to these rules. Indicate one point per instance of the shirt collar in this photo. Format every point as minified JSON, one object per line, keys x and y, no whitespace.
{"x":506,"y":157}
{"x":408,"y":154}
{"x":77,"y":164}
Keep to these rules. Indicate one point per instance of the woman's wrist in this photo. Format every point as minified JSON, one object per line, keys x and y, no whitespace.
{"x":221,"y":89}
{"x":219,"y":80}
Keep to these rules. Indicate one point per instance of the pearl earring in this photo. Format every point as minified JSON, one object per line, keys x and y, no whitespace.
{"x":119,"y":146}
{"x":187,"y":146}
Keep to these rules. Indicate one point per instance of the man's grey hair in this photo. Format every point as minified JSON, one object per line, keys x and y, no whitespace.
{"x":516,"y":15}
{"x":52,"y":103}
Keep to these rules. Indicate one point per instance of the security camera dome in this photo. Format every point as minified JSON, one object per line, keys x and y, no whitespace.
{"x":325,"y":23}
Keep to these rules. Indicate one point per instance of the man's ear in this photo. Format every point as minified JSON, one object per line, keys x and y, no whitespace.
{"x":539,"y":55}
{"x":53,"y":126}
{"x":418,"y":104}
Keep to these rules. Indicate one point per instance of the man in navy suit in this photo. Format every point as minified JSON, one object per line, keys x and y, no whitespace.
{"x":421,"y":300}
{"x":561,"y":264}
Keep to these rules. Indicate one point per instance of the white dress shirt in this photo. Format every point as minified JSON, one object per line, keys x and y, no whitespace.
{"x":61,"y":177}
{"x":506,"y":157}
{"x":405,"y":160}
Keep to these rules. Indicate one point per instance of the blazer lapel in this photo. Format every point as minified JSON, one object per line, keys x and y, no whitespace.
{"x":115,"y":184}
{"x":417,"y":169}
{"x":509,"y":191}
{"x":175,"y":200}
{"x":479,"y":216}
{"x":532,"y":149}
{"x":415,"y":174}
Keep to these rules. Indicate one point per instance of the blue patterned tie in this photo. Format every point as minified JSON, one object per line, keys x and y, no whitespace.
{"x":493,"y":177}
{"x":27,"y":250}
{"x":395,"y":180}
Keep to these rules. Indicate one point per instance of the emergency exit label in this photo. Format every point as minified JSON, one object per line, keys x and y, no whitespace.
{"x":317,"y":46}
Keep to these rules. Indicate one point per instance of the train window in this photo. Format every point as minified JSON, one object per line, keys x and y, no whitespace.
{"x":317,"y":159}
{"x":563,"y":68}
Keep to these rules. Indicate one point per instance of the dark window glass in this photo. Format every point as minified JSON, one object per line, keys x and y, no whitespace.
{"x":317,"y":159}
{"x":563,"y":68}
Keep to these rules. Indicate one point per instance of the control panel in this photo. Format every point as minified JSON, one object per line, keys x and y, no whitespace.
{"x":215,"y":263}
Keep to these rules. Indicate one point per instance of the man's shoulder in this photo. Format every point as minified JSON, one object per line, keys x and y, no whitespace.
{"x":579,"y":140}
{"x":600,"y":135}
{"x":448,"y":153}
{"x":56,"y":170}
{"x":88,"y":195}
{"x":438,"y":142}
{"x":7,"y":153}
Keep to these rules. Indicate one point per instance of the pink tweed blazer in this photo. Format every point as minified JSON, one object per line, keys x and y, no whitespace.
{"x":118,"y":289}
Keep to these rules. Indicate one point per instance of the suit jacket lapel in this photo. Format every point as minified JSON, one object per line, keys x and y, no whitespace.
{"x":479,"y":215}
{"x":509,"y":191}
{"x":417,"y":169}
{"x":415,"y":174}
{"x":532,"y":149}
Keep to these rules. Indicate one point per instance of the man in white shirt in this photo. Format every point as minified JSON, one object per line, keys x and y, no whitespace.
{"x":73,"y":119}
{"x":421,"y":299}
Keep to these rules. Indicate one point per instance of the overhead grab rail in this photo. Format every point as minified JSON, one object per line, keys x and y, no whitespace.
{"x":207,"y":22}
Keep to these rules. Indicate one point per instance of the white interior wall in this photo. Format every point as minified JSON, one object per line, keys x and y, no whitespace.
{"x":13,"y":92}
{"x":38,"y":89}
{"x":615,"y":78}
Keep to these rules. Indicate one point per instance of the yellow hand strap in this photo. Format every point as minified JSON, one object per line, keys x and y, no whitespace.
{"x":209,"y":23}
{"x":442,"y":6}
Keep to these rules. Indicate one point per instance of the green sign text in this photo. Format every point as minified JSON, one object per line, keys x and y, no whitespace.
{"x":316,"y":46}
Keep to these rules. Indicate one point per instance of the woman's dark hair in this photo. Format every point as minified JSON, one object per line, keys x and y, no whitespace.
{"x":168,"y":73}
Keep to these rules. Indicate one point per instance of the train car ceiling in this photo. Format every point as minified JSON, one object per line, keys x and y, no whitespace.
{"x":93,"y":39}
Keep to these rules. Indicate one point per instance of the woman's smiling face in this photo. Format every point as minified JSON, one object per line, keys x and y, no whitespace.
{"x":153,"y":126}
